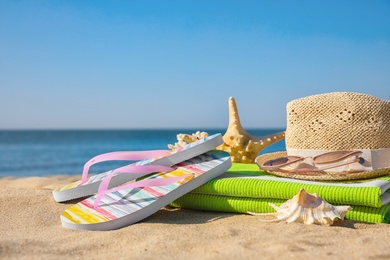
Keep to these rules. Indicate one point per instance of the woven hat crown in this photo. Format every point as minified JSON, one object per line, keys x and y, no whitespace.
{"x":338,"y":121}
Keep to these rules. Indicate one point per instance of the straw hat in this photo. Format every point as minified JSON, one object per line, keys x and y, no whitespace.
{"x":335,"y":122}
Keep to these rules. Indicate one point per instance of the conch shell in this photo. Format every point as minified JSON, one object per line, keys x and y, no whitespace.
{"x":243,"y":147}
{"x":306,"y":208}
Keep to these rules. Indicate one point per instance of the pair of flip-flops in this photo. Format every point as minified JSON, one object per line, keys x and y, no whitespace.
{"x":146,"y":186}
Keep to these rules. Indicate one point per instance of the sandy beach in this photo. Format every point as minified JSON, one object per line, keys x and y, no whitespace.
{"x":30,"y":228}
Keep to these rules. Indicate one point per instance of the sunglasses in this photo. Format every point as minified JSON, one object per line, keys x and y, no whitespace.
{"x":296,"y":164}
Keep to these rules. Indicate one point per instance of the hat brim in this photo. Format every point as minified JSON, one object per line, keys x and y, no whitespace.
{"x":318,"y":176}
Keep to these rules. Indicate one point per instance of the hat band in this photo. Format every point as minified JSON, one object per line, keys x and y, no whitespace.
{"x":374,"y":159}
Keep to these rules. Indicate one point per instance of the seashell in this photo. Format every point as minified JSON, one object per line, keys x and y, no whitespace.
{"x":184,"y":139}
{"x":243,"y":147}
{"x":306,"y":208}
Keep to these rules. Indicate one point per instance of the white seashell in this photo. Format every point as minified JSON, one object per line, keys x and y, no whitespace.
{"x":184,"y":139}
{"x":306,"y":208}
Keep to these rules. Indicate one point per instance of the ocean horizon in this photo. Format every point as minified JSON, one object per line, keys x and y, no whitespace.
{"x":26,"y":153}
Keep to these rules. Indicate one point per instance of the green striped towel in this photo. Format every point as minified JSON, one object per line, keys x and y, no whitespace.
{"x":245,"y":188}
{"x":222,"y":203}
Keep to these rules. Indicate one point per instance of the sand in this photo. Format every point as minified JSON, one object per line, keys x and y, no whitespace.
{"x":30,"y":228}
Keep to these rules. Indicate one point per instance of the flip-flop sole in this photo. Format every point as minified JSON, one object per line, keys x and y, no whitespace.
{"x":128,"y":206}
{"x":74,"y":191}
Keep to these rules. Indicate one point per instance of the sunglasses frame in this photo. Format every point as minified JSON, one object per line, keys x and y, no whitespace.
{"x":343,"y":154}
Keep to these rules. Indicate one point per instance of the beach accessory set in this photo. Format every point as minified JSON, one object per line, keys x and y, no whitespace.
{"x":332,"y":140}
{"x":334,"y":136}
{"x":148,"y":185}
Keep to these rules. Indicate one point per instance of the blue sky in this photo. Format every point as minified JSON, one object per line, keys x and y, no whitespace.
{"x":174,"y":64}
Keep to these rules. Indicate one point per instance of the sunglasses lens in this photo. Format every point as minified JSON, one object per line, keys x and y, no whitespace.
{"x":276,"y":162}
{"x":280,"y":162}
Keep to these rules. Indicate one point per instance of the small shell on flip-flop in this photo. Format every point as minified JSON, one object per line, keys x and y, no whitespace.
{"x":306,"y":208}
{"x":184,"y":139}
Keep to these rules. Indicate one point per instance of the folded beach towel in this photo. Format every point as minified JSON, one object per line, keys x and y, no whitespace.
{"x":223,"y":203}
{"x":245,"y":188}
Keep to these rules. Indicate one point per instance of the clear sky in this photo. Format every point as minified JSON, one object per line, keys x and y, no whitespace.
{"x":174,"y":64}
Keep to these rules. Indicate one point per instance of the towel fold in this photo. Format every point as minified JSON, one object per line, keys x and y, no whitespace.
{"x":245,"y":188}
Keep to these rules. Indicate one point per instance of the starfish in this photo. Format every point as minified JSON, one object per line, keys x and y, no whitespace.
{"x":243,"y":147}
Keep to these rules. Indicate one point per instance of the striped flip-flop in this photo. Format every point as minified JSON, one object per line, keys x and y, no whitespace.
{"x":125,"y":205}
{"x":156,"y":160}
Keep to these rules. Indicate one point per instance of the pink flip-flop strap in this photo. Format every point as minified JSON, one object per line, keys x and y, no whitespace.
{"x":121,"y":156}
{"x":139,"y":184}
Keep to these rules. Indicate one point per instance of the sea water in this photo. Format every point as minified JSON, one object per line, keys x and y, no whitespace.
{"x":53,"y":152}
